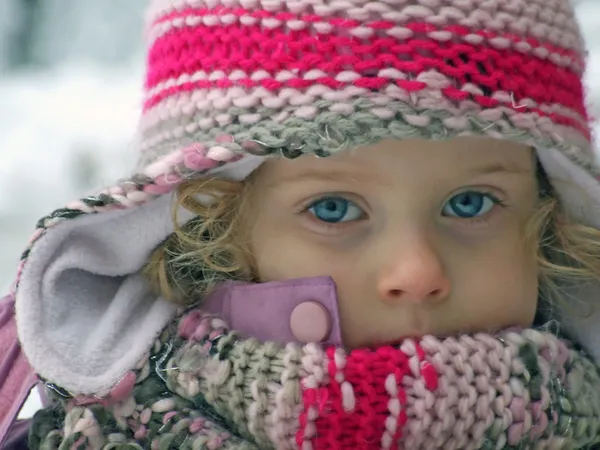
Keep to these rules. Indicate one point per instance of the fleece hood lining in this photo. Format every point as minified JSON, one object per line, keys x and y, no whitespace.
{"x":85,"y":315}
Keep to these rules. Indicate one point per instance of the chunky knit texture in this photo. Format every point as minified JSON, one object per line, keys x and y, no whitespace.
{"x":230,"y":80}
{"x":322,"y":75}
{"x":202,"y":387}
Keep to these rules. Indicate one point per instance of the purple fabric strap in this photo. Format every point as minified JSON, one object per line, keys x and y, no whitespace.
{"x":264,"y":310}
{"x":17,"y":378}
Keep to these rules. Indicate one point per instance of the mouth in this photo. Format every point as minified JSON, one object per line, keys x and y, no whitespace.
{"x":414,"y":327}
{"x":397,"y":342}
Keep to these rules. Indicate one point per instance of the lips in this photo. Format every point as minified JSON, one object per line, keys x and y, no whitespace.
{"x":392,"y":329}
{"x":395,"y":342}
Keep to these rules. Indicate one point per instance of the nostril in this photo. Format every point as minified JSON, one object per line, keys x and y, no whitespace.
{"x":432,"y":295}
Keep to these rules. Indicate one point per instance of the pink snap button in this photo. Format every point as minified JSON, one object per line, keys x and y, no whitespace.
{"x":310,"y":322}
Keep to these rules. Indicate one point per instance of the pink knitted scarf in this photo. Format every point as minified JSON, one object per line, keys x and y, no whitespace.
{"x":203,"y":387}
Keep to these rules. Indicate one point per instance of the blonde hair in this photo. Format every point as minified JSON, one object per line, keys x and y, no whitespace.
{"x":210,"y":248}
{"x":214,"y":246}
{"x":568,"y":252}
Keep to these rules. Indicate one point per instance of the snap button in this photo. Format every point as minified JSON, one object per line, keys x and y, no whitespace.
{"x":310,"y":322}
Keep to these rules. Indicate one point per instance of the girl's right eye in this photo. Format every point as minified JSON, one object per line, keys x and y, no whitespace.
{"x":335,"y":210}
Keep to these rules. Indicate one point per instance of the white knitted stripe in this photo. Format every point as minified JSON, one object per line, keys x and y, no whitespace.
{"x":394,"y":408}
{"x":348,"y":396}
{"x":314,"y":364}
{"x":185,"y":105}
{"x":254,"y":411}
{"x":418,"y":401}
{"x":547,"y":20}
{"x":282,"y":76}
{"x":282,"y":423}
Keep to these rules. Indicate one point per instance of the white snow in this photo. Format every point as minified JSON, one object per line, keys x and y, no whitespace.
{"x":64,"y":132}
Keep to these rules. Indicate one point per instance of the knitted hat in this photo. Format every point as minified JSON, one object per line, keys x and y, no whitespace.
{"x":231,"y":82}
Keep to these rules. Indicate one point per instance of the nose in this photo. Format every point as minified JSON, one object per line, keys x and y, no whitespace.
{"x":413,"y":273}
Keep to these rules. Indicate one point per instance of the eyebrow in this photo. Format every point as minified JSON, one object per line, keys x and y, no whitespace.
{"x":357,"y":177}
{"x":494,"y":168}
{"x":331,"y":175}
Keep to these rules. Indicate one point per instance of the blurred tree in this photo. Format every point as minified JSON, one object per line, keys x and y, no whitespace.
{"x":47,"y":33}
{"x":20,"y":51}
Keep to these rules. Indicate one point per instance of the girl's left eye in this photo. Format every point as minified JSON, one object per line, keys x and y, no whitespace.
{"x":335,"y":210}
{"x":469,"y":205}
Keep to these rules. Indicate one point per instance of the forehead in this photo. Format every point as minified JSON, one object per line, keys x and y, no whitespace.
{"x":412,"y":158}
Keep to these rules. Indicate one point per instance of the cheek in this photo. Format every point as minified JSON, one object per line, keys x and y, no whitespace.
{"x":502,"y":284}
{"x":282,"y":255}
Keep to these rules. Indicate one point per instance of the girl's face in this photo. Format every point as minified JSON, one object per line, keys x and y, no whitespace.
{"x":420,"y":237}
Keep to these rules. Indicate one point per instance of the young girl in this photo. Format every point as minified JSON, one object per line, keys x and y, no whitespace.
{"x":354,"y":225}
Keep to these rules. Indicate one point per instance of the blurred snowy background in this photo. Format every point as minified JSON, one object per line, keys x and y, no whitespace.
{"x":70,"y":91}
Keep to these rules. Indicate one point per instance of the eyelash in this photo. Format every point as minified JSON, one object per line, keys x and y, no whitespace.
{"x":485,"y":219}
{"x":330,"y":226}
{"x":464,"y":222}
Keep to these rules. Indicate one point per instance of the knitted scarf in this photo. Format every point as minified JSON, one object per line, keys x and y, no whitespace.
{"x":201,"y":386}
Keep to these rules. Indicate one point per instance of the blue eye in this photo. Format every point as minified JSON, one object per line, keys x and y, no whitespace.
{"x":470,"y":204}
{"x":335,"y":210}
